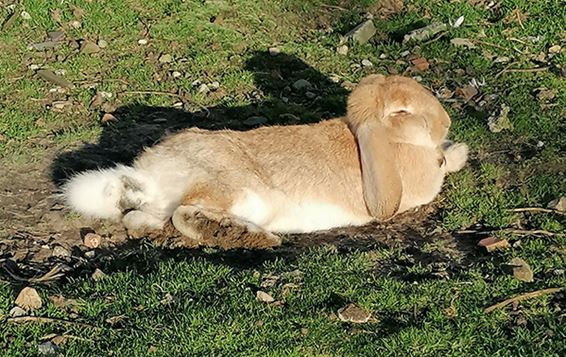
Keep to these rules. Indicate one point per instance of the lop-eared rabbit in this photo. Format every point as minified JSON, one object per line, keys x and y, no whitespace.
{"x":387,"y":155}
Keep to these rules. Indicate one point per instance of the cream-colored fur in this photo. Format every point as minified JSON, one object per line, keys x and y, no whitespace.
{"x":383,"y":158}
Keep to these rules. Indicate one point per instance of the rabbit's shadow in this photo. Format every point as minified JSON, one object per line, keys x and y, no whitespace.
{"x":139,"y":126}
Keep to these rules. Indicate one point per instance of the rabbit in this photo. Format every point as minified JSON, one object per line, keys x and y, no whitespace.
{"x":387,"y":155}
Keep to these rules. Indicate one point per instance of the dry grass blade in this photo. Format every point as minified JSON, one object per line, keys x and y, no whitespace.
{"x":521,"y":297}
{"x":55,"y":273}
{"x":525,"y":232}
{"x":536,"y":209}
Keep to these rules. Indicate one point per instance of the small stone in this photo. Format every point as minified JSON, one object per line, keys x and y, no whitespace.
{"x":367,"y":63}
{"x":353,"y":313}
{"x":255,"y":120}
{"x":98,"y":275}
{"x":405,"y":53}
{"x":493,"y":243}
{"x":521,"y":270}
{"x":142,"y":41}
{"x":178,"y":105}
{"x":34,"y":67}
{"x":88,"y":47}
{"x":28,"y":299}
{"x":165,"y":58}
{"x":264,"y":297}
{"x":195,"y":83}
{"x":310,"y":95}
{"x":92,"y":240}
{"x":302,"y":84}
{"x":107,"y":117}
{"x":90,"y":254}
{"x":61,"y":252}
{"x":362,"y":33}
{"x":47,"y":349}
{"x":176,"y":74}
{"x":342,"y":50}
{"x":17,"y":311}
{"x":418,"y":78}
{"x":102,"y":43}
{"x":501,"y":59}
{"x":555,"y":49}
{"x":274,"y":51}
{"x":546,"y":94}
{"x":203,"y":88}
{"x":558,"y":204}
{"x":25,"y":15}
{"x":105,"y":95}
{"x":500,"y":120}
{"x":540,"y":144}
{"x":214,"y":86}
{"x":76,"y":24}
{"x":459,"y":42}
{"x":421,"y":63}
{"x":383,"y":56}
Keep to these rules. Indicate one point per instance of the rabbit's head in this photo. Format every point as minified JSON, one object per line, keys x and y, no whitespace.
{"x":383,"y":111}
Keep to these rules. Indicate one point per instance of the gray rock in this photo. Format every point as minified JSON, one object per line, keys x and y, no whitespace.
{"x":361,"y":33}
{"x":302,"y":84}
{"x":274,"y":51}
{"x":47,"y":349}
{"x":214,"y":86}
{"x":255,"y":120}
{"x":43,"y":45}
{"x":367,"y":63}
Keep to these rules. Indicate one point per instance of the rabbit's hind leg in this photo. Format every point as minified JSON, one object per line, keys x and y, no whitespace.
{"x":218,"y":228}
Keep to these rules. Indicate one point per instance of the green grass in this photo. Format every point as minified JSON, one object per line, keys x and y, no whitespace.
{"x":214,"y":311}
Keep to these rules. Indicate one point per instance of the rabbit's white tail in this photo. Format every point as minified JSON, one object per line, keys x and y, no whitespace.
{"x":98,"y":193}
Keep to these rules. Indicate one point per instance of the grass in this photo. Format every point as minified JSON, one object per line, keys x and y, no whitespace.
{"x":213,"y":310}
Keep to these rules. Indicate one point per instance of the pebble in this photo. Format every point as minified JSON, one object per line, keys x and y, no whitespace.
{"x":17,"y":311}
{"x":302,"y":84}
{"x":142,"y":41}
{"x":367,"y":63}
{"x":274,"y":51}
{"x":342,"y":50}
{"x":25,"y":15}
{"x":165,"y":58}
{"x":76,"y":24}
{"x":176,"y":74}
{"x":214,"y":86}
{"x":203,"y":88}
{"x":102,"y":43}
{"x":47,"y":349}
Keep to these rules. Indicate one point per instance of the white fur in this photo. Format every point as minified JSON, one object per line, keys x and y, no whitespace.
{"x":275,"y":212}
{"x":96,"y":193}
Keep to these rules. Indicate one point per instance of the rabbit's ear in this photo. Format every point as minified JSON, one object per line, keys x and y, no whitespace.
{"x":381,"y":181}
{"x":408,"y":128}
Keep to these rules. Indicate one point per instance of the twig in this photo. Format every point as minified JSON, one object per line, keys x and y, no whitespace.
{"x":490,"y":44}
{"x":24,"y":319}
{"x":521,"y":297}
{"x":333,"y":7}
{"x":512,"y":231}
{"x":505,"y":69}
{"x":536,"y":209}
{"x":436,"y":38}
